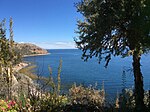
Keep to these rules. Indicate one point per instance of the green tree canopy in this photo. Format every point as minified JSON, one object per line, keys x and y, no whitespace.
{"x":116,"y":28}
{"x":8,"y":54}
{"x":113,"y":27}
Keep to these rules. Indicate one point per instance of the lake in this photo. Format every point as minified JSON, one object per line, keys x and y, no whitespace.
{"x":75,"y":70}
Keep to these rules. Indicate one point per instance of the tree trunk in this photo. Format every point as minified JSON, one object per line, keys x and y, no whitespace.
{"x":138,"y":83}
{"x":149,"y":100}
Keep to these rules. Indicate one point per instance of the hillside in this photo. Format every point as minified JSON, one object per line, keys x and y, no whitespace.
{"x":29,"y":49}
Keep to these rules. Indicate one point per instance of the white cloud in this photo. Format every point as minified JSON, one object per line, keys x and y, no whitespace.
{"x":56,"y":45}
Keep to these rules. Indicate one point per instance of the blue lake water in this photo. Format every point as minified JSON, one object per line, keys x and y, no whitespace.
{"x":74,"y":69}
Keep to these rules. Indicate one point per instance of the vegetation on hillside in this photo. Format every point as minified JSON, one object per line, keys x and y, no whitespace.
{"x":8,"y":58}
{"x":29,"y":49}
{"x":29,"y":71}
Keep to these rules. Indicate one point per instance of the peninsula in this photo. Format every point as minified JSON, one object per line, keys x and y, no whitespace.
{"x":28,"y":49}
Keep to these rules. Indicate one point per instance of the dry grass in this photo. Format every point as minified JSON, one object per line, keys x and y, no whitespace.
{"x":29,"y":71}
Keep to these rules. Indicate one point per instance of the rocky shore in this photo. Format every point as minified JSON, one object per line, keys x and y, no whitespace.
{"x":19,"y":66}
{"x":22,"y":83}
{"x":21,"y":79}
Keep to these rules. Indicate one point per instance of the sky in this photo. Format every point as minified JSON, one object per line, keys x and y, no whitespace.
{"x":50,"y":24}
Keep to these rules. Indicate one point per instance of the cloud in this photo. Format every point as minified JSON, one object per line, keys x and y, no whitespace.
{"x":56,"y":45}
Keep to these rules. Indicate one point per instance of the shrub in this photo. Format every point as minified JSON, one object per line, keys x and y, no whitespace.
{"x":8,"y":106}
{"x":127,"y":100}
{"x":48,"y":100}
{"x":86,"y":98}
{"x":83,"y":95}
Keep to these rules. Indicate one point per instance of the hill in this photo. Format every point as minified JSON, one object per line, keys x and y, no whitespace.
{"x":29,"y":49}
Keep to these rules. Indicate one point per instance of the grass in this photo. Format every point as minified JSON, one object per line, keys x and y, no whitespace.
{"x":29,"y":71}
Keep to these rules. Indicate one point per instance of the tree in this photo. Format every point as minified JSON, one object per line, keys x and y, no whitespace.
{"x":113,"y":28}
{"x":8,"y":56}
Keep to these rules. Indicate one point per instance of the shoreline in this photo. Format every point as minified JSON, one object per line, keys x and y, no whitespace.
{"x":20,"y":66}
{"x":35,"y":55}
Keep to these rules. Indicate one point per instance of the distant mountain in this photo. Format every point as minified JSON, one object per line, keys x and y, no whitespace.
{"x":29,"y":49}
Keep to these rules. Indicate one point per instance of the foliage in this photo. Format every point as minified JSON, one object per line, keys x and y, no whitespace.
{"x":24,"y":104}
{"x":85,"y":99}
{"x":7,"y":47}
{"x":113,"y":28}
{"x":8,"y":106}
{"x":47,"y":97}
{"x":53,"y":101}
{"x":127,"y":99}
{"x":8,"y":58}
{"x":86,"y":96}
